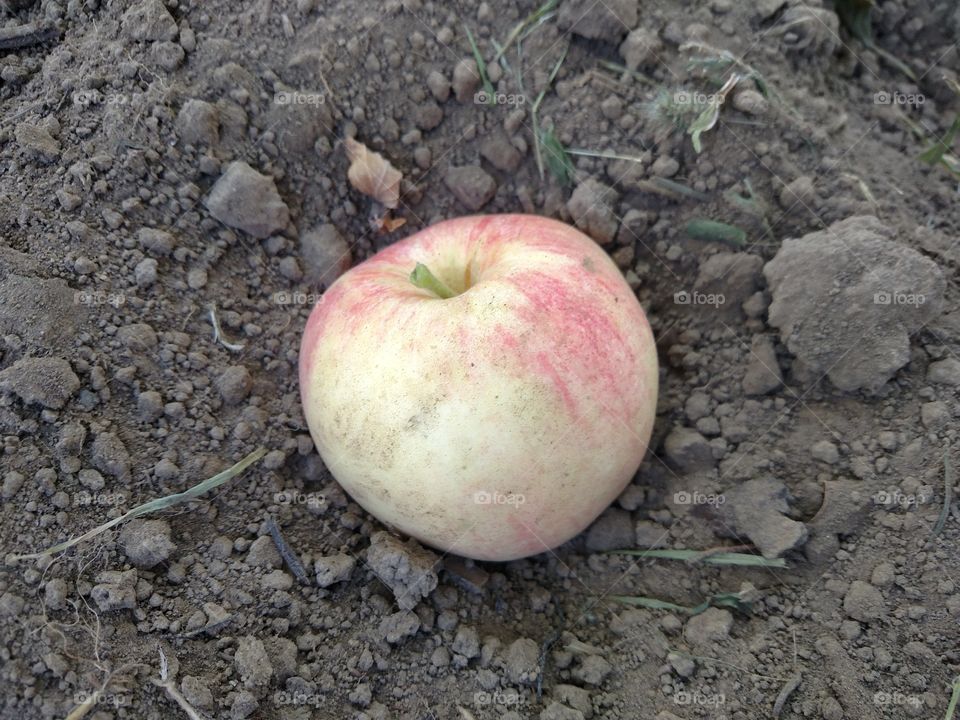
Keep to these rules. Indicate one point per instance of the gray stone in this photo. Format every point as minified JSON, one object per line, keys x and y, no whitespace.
{"x":37,"y":142}
{"x":575,"y":697}
{"x":609,"y":20}
{"x":115,"y":590}
{"x":109,"y":455}
{"x":168,"y":55}
{"x":592,"y":670}
{"x":591,"y":208}
{"x":934,"y":415}
{"x":263,"y":553}
{"x":244,"y":705}
{"x":466,"y":642}
{"x":138,"y":337}
{"x":466,"y":80}
{"x":750,"y":101}
{"x":688,"y":450}
{"x":710,"y":626}
{"x":500,"y":152}
{"x":944,"y":372}
{"x":863,"y":602}
{"x":641,"y":48}
{"x":407,"y":569}
{"x":12,"y":482}
{"x":763,"y":371}
{"x":145,"y":273}
{"x":234,"y":384}
{"x":333,"y":569}
{"x":522,"y":661}
{"x":756,"y":509}
{"x":398,"y":626}
{"x":197,"y":692}
{"x":147,"y":543}
{"x":298,"y":118}
{"x":471,"y":185}
{"x":439,"y":86}
{"x":799,"y":192}
{"x":325,"y":255}
{"x":557,"y":711}
{"x":252,"y":662}
{"x":683,"y":665}
{"x":243,"y":198}
{"x":648,"y":534}
{"x":735,"y":276}
{"x":198,"y":123}
{"x":825,"y":451}
{"x":156,"y":242}
{"x":148,"y":20}
{"x":613,"y":530}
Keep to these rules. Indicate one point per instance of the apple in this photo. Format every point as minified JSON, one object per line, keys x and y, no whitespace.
{"x":487,"y":385}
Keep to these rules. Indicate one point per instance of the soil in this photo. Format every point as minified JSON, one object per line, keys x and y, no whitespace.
{"x":166,"y":163}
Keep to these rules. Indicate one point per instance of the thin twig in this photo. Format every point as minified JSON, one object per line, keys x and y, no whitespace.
{"x":286,"y":552}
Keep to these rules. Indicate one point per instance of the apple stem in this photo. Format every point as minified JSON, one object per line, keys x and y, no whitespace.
{"x":426,"y":280}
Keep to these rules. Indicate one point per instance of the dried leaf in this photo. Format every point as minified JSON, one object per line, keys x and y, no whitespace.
{"x":372,"y":174}
{"x":390,"y":224}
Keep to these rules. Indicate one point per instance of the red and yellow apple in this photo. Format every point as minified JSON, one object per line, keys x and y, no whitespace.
{"x":487,"y":385}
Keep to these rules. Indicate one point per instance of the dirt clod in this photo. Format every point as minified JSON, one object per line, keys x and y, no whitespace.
{"x":243,"y":198}
{"x":47,"y":381}
{"x":407,"y":569}
{"x":852,"y":275}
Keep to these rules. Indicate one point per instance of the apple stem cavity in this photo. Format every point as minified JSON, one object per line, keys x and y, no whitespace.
{"x":426,"y":280}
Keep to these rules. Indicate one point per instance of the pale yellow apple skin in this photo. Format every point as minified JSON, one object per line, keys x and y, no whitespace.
{"x":495,"y":424}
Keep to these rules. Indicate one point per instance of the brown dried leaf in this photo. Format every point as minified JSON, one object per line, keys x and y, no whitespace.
{"x":372,"y":174}
{"x":387,"y":224}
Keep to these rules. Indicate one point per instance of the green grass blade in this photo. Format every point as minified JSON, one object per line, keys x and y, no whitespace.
{"x":481,"y":65}
{"x":558,"y":161}
{"x":713,"y":231}
{"x":934,"y":154}
{"x":954,"y":699}
{"x":154,"y":505}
